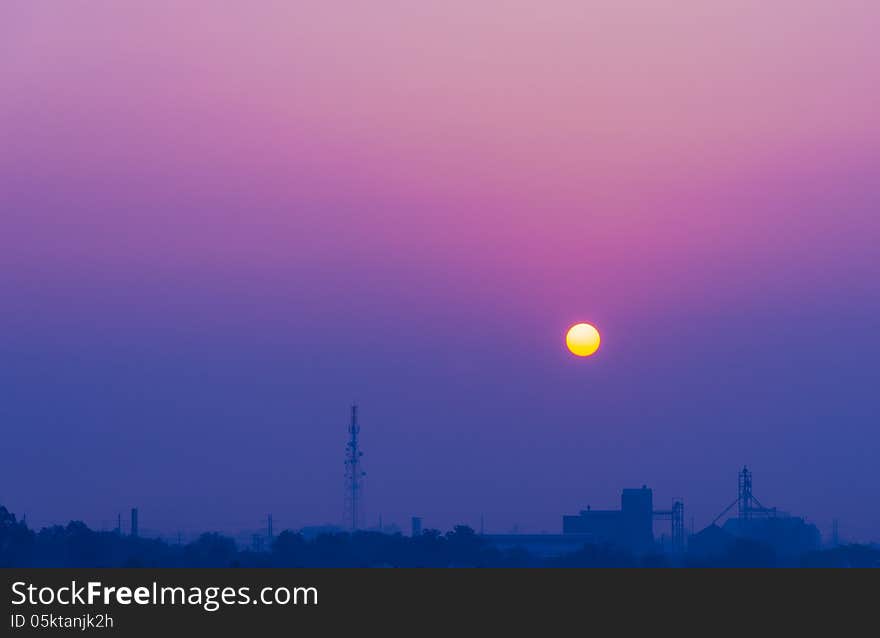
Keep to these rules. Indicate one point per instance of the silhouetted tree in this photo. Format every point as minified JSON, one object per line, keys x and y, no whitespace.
{"x":844,"y":556}
{"x":596,"y":556}
{"x":75,"y":545}
{"x":210,"y":550}
{"x":289,"y":550}
{"x":16,"y":541}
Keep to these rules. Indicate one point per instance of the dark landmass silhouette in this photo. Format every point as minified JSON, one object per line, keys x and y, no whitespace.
{"x":75,"y":545}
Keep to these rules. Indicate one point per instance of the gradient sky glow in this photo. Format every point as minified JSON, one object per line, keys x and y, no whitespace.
{"x":222,"y":222}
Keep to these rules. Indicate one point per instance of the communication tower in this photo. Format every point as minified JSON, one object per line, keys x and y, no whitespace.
{"x":354,"y":474}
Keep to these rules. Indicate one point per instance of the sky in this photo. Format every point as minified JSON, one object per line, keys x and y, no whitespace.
{"x":223,"y":222}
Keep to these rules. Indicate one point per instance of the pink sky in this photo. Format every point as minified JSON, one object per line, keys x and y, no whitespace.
{"x":474,"y":170}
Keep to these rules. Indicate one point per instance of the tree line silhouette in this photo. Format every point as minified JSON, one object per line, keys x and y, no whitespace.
{"x":75,"y":545}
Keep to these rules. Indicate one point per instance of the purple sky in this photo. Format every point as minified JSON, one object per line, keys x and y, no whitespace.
{"x":219,"y":226}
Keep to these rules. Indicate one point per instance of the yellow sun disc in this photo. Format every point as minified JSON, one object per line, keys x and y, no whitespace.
{"x":582,"y":339}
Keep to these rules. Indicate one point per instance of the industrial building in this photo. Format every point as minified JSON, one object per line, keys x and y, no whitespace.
{"x":632,"y":526}
{"x":784,"y":533}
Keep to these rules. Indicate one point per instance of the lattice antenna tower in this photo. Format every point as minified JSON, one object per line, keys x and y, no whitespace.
{"x":354,"y":474}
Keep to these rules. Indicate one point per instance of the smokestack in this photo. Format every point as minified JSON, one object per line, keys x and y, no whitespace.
{"x":134,"y":522}
{"x":416,"y":526}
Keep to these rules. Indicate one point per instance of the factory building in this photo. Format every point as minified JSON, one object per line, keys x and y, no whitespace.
{"x":631,"y":527}
{"x":785,"y":534}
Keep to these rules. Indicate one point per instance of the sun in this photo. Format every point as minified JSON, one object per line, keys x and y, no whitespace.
{"x":582,"y":339}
